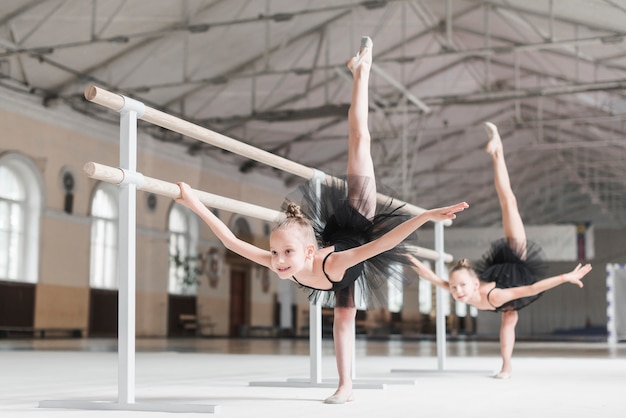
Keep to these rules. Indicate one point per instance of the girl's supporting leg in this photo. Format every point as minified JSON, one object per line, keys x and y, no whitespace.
{"x":507,"y":342}
{"x":343,"y":334}
{"x":511,"y":219}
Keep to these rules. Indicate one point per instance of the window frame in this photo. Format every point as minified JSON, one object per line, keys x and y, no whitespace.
{"x":110,"y":279}
{"x":27,"y":254}
{"x":189,"y":238}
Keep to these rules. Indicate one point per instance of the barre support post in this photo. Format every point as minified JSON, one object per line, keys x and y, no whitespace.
{"x":127,"y":252}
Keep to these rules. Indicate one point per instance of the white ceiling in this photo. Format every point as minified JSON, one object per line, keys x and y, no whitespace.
{"x":271,"y":73}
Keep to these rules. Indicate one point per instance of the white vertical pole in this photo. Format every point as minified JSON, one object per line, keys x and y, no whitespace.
{"x":126,"y":260}
{"x":315,"y":341}
{"x":285,"y":299}
{"x":353,"y":366}
{"x":610,"y":305}
{"x":127,"y":248}
{"x":440,"y":294}
{"x":315,"y":309}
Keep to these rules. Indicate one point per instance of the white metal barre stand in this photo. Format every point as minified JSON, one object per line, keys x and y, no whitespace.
{"x":120,"y":103}
{"x":127,"y":230}
{"x":440,"y":321}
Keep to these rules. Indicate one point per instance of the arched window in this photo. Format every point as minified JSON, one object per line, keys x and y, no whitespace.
{"x":104,"y":218}
{"x":183,"y":229}
{"x":20,"y":213}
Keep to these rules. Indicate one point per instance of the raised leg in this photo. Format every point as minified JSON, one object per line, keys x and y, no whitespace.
{"x":511,"y":219}
{"x":360,"y":171}
{"x":343,"y":334}
{"x":507,"y":342}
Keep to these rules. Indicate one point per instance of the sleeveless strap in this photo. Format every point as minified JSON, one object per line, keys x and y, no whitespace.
{"x":489,"y":300}
{"x":324,"y":267}
{"x":323,"y":270}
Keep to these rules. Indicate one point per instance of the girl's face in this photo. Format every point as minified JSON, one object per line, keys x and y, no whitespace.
{"x":463,"y":285}
{"x":289,"y":251}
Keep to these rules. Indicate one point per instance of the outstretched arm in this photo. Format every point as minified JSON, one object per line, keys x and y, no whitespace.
{"x":348,"y":258}
{"x":427,"y":274}
{"x":230,"y":241}
{"x":402,"y":231}
{"x":501,"y":296}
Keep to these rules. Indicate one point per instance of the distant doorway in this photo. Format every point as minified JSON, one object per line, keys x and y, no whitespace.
{"x":239,"y":302}
{"x":103,"y":315}
{"x":17,"y":304}
{"x":179,"y":307}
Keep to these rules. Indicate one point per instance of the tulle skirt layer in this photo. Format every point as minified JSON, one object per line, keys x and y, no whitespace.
{"x":511,"y":263}
{"x":339,"y":222}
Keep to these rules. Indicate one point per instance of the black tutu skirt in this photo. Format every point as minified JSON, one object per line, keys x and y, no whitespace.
{"x":340,"y":224}
{"x":504,"y":263}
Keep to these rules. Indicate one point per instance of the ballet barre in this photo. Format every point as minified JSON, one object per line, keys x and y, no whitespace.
{"x":116,"y":175}
{"x":117,"y":102}
{"x":131,"y":109}
{"x":172,"y":190}
{"x":130,"y":181}
{"x":120,"y":176}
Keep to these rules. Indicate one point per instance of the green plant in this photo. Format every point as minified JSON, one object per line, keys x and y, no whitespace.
{"x":191,"y":268}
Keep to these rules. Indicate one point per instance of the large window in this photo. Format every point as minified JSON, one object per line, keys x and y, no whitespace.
{"x":104,"y":214}
{"x":20,"y":212}
{"x":183,"y":229}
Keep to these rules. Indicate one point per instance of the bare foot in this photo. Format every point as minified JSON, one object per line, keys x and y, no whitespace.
{"x":495,"y":143}
{"x":340,"y":397}
{"x":364,"y":58}
{"x":502,"y":375}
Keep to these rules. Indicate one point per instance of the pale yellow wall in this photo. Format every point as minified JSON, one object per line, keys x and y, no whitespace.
{"x":61,"y":306}
{"x":262,"y":309}
{"x":56,"y":142}
{"x":151,"y":314}
{"x":410,"y":299}
{"x":152,"y":263}
{"x":214,"y":302}
{"x":302,"y":300}
{"x":54,"y":148}
{"x":59,"y":139}
{"x":64,"y":257}
{"x":262,"y":314}
{"x":215,"y":311}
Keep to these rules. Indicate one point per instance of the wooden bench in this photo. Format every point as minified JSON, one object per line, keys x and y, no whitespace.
{"x":264,"y":331}
{"x":197,"y":326}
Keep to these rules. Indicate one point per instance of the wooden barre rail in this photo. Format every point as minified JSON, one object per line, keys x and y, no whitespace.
{"x":116,"y":176}
{"x":116,"y":102}
{"x":171,"y":190}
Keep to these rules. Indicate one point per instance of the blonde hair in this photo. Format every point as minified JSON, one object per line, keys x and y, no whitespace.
{"x":295,"y":218}
{"x":463,"y":263}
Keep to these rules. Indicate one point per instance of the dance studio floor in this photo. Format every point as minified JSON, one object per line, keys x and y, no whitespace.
{"x":269,"y":378}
